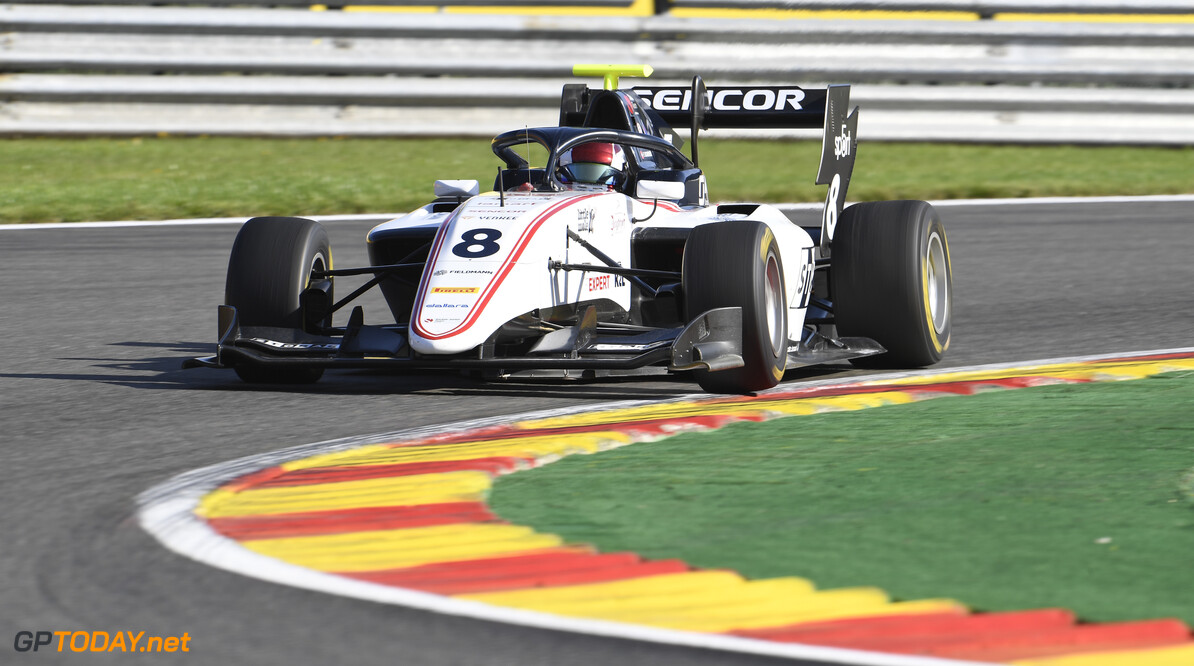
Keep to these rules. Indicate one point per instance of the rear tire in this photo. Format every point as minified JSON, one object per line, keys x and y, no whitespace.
{"x":737,"y":264}
{"x":270,"y":266}
{"x":891,"y":281}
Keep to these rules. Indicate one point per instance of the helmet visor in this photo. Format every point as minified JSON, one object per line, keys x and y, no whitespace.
{"x":590,"y":172}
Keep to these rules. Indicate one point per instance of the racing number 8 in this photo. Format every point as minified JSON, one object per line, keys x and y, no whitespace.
{"x":832,"y":206}
{"x":483,"y":240}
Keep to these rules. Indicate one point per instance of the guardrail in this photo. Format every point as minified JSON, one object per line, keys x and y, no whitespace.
{"x":985,"y":8}
{"x":602,"y":4}
{"x":125,"y":70}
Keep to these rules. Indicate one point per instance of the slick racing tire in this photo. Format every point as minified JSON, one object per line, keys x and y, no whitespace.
{"x":271,"y":264}
{"x":891,"y":281}
{"x":737,"y":264}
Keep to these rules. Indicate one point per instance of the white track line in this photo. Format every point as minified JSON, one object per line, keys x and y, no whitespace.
{"x":368,"y":217}
{"x":167,"y":511}
{"x":382,"y":217}
{"x":1032,"y":201}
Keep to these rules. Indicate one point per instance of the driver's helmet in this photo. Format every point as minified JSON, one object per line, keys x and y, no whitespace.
{"x":593,"y":163}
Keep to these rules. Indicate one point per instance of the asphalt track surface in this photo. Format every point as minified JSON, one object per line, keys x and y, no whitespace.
{"x":95,"y":410}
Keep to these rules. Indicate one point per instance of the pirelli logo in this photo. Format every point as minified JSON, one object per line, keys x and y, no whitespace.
{"x":725,"y":99}
{"x":453,"y":290}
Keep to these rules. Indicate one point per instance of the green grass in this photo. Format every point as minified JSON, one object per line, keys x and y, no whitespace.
{"x":54,"y":179}
{"x":1078,"y":496}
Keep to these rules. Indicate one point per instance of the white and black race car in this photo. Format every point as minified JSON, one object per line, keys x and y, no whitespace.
{"x":597,"y":252}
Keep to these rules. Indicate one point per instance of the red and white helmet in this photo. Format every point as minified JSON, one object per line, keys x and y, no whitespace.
{"x":596,"y":163}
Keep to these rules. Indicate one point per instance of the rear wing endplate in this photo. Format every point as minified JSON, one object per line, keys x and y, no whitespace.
{"x":839,"y":145}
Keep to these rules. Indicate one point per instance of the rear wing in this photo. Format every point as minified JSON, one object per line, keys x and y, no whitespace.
{"x":772,"y":107}
{"x":657,"y":109}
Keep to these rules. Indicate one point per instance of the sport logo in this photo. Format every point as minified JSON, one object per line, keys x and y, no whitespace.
{"x":841,"y":144}
{"x":454,"y":290}
{"x":725,"y":99}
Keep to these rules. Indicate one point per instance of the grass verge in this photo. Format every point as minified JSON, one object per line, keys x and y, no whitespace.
{"x":1078,"y":496}
{"x":57,"y":179}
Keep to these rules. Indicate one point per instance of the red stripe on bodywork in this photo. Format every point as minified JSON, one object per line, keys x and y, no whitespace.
{"x":440,"y":235}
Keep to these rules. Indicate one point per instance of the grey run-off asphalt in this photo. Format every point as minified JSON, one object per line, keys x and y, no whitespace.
{"x":95,"y":410}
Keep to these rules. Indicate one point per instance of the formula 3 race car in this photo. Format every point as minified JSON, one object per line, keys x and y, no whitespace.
{"x":598,"y":253}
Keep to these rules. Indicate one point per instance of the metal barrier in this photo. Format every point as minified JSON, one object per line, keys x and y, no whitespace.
{"x":985,"y":8}
{"x":340,"y":3}
{"x":126,"y":70}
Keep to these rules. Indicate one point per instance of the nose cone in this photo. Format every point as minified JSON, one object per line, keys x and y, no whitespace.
{"x":488,"y":265}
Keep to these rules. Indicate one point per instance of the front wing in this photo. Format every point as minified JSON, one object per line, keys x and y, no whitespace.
{"x":712,"y":341}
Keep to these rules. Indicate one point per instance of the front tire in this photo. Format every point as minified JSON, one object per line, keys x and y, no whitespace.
{"x":271,"y":264}
{"x":891,"y":281}
{"x":737,"y":264}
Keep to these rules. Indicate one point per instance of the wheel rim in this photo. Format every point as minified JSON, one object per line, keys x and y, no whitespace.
{"x":318,"y":265}
{"x":937,"y":283}
{"x":774,"y":305}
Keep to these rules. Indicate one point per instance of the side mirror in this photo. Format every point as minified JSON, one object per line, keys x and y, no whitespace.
{"x":457,"y":188}
{"x":660,"y":189}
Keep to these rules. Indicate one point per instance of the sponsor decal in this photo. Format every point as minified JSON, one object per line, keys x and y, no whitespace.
{"x":462,"y":306}
{"x":726,"y":99}
{"x":804,"y":287}
{"x":618,"y":221}
{"x":453,"y":290}
{"x":841,"y":144}
{"x":598,"y":282}
{"x":491,"y":209}
{"x":99,"y":641}
{"x":584,"y":219}
{"x":330,"y":346}
{"x":590,"y":187}
{"x":479,"y":271}
{"x":497,"y":218}
{"x":628,"y":347}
